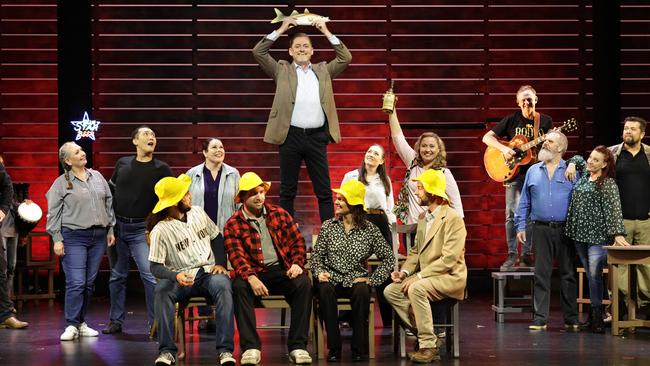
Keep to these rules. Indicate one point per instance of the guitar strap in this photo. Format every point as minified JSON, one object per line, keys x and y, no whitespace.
{"x":535,"y":136}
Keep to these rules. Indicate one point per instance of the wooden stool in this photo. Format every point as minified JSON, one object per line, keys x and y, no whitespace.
{"x":581,"y":288}
{"x":503,"y":303}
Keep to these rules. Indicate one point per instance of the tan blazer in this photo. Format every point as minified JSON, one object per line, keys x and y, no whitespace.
{"x":440,"y":256}
{"x":286,"y":83}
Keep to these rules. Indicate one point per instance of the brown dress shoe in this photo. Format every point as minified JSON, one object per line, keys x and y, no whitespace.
{"x":425,"y":355}
{"x":13,"y":323}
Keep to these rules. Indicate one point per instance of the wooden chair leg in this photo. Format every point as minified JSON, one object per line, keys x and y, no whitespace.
{"x":179,"y":326}
{"x":154,"y":328}
{"x":456,"y":315}
{"x":371,"y":331}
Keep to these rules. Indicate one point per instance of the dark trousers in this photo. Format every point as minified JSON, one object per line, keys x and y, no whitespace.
{"x":550,"y":242}
{"x":386,"y":311}
{"x":6,"y":306}
{"x":359,"y":295}
{"x":312,"y":148}
{"x":297,"y":292}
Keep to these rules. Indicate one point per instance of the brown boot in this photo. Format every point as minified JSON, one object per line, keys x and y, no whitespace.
{"x":425,"y":355}
{"x":13,"y":323}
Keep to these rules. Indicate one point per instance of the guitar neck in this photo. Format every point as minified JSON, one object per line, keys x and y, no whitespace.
{"x":535,"y":142}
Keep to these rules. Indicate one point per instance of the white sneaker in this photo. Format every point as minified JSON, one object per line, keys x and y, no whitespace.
{"x":251,"y":357}
{"x":86,"y":331}
{"x":165,"y":359}
{"x":300,"y":357}
{"x":70,"y":333}
{"x":226,"y":359}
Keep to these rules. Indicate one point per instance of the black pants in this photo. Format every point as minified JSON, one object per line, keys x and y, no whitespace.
{"x":550,"y":242}
{"x":312,"y":148}
{"x":297,"y":292}
{"x":359,"y":295}
{"x":381,"y":221}
{"x":6,"y":306}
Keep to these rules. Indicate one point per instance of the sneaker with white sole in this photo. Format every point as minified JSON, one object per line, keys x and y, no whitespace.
{"x":226,"y":359}
{"x":300,"y":357}
{"x":251,"y":357}
{"x":70,"y":333}
{"x":165,"y":359}
{"x":86,"y":331}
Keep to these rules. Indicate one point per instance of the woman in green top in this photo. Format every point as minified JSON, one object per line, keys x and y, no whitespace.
{"x":595,"y":219}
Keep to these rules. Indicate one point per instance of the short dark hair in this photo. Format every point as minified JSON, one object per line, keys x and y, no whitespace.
{"x":206,"y":143}
{"x":296,"y":35}
{"x":638,"y":120}
{"x":136,"y":131}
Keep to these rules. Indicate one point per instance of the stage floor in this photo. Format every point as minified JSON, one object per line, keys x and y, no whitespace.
{"x":483,"y":341}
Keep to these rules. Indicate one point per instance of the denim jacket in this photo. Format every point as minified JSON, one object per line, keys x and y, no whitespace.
{"x":228,"y":187}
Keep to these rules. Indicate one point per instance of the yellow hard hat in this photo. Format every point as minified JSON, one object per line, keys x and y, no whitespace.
{"x":434,"y":182}
{"x":170,"y":191}
{"x":354,"y":192}
{"x":249,"y":181}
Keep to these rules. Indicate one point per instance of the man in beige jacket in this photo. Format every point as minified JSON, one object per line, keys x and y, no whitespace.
{"x":303,"y":118}
{"x":435,"y":267}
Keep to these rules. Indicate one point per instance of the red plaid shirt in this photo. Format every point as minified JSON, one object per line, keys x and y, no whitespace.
{"x":244,"y":245}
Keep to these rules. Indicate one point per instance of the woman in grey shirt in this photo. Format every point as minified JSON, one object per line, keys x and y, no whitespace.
{"x":80,"y":220}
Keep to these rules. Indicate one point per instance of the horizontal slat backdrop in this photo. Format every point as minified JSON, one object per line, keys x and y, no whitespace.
{"x":187,"y":70}
{"x":28,"y":96}
{"x":635,"y":60}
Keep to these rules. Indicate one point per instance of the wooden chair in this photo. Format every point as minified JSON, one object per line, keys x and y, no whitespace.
{"x":180,"y":318}
{"x":344,"y":304}
{"x":452,"y":328}
{"x":581,"y":288}
{"x":24,"y":266}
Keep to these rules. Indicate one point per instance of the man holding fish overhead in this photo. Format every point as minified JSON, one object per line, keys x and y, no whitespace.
{"x":303,"y":117}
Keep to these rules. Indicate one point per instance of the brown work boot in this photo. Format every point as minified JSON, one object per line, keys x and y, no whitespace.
{"x":13,"y":323}
{"x":425,"y":355}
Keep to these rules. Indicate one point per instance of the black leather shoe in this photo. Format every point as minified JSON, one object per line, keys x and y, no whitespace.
{"x":333,"y":356}
{"x":112,"y":328}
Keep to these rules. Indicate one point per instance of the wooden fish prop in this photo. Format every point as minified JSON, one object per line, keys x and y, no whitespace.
{"x":305,"y":18}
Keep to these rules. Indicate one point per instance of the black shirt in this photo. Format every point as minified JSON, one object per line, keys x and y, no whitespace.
{"x":633,"y":178}
{"x":6,"y":191}
{"x":133,"y":186}
{"x":516,"y":124}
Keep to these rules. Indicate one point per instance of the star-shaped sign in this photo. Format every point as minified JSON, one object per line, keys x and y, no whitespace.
{"x":86,"y":127}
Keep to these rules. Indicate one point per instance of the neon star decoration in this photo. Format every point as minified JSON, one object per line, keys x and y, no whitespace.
{"x":86,"y":127}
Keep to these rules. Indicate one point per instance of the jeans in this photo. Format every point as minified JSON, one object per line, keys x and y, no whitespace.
{"x":312,"y":149}
{"x":84,"y":250}
{"x":130,"y":241}
{"x":215,"y":287}
{"x":593,"y":258}
{"x":6,"y":305}
{"x":513,"y":192}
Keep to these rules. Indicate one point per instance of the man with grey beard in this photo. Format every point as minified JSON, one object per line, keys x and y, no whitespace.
{"x":545,"y":198}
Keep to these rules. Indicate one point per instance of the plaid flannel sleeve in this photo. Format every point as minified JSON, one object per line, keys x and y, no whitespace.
{"x":235,"y":249}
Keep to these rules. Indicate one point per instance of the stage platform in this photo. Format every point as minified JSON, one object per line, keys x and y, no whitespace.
{"x":483,"y":341}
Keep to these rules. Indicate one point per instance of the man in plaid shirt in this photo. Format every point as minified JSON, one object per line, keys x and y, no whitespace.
{"x":267,"y":252}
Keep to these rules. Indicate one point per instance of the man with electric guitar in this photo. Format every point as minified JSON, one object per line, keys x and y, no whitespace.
{"x":529,"y":124}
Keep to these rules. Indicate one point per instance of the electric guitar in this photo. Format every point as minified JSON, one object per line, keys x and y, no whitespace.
{"x":503,"y":170}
